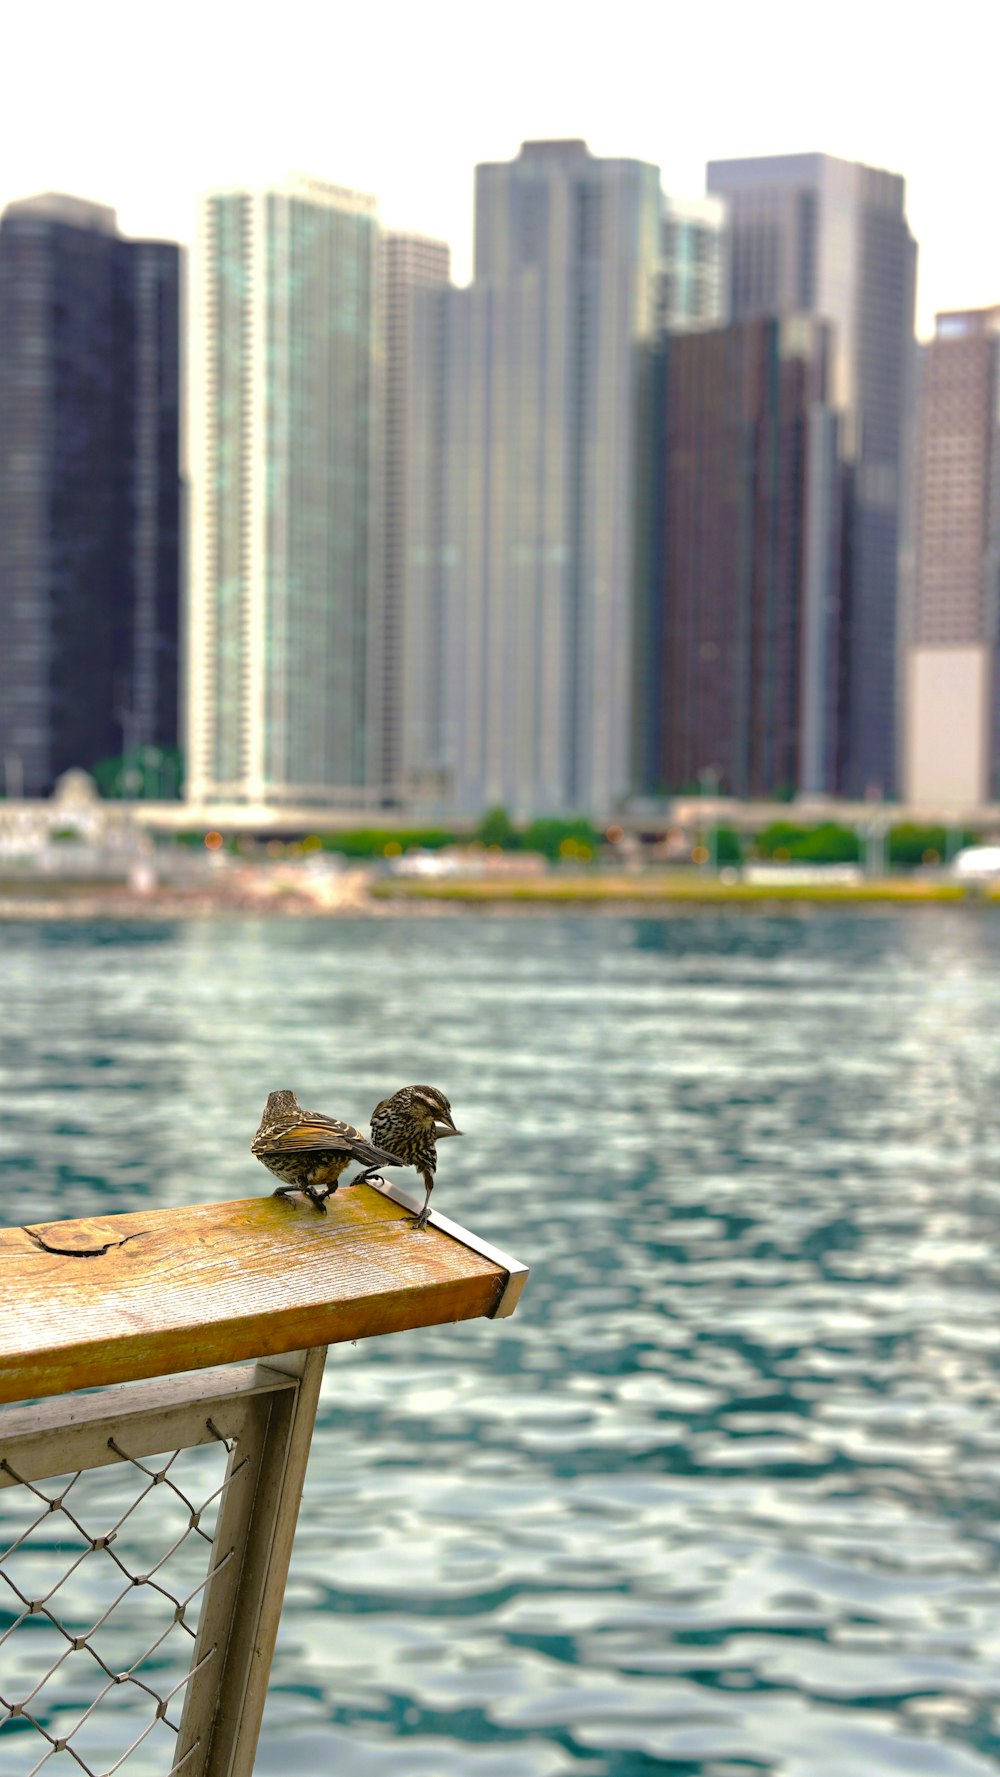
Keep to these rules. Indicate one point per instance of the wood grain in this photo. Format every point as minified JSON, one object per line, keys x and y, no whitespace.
{"x":158,"y":1291}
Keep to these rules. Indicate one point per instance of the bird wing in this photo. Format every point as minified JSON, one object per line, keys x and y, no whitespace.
{"x":314,"y":1131}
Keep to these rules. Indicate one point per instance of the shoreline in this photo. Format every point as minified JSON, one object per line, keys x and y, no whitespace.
{"x":355,"y":895}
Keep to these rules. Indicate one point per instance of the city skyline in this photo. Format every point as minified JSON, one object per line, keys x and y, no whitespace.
{"x":547,"y":572}
{"x":866,"y":101}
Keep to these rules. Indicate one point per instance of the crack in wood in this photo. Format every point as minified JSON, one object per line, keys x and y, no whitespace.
{"x":81,"y":1252}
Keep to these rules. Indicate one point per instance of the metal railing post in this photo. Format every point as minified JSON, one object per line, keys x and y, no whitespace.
{"x":242,"y":1609}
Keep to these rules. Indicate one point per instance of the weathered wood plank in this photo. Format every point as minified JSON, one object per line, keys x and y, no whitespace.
{"x":182,"y":1289}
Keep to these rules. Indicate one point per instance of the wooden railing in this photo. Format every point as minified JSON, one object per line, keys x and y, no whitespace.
{"x":109,"y":1304}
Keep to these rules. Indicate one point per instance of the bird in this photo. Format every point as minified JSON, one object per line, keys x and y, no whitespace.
{"x":409,"y":1124}
{"x":308,"y":1151}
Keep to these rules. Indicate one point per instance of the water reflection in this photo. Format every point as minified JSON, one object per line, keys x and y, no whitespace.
{"x":721,"y":1497}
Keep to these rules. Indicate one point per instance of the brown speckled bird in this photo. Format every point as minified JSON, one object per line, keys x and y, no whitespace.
{"x":309,"y":1151}
{"x":409,"y":1124}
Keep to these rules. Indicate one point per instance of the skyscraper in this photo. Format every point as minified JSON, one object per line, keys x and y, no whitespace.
{"x":89,"y":490}
{"x":952,"y":686}
{"x":743,"y":657}
{"x":407,"y":262}
{"x":695,"y":250}
{"x":521,"y":561}
{"x":283,"y":338}
{"x":813,"y":234}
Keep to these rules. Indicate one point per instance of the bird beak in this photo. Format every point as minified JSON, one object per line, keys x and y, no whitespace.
{"x":443,"y":1128}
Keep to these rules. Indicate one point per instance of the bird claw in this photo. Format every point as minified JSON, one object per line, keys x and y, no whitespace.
{"x":316,"y":1194}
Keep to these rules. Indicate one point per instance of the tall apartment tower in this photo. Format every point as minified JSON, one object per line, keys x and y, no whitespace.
{"x":744,"y":654}
{"x":89,"y":490}
{"x":282,"y":441}
{"x":521,"y":558}
{"x":818,"y":235}
{"x":695,"y":251}
{"x":407,"y":262}
{"x":952,"y":686}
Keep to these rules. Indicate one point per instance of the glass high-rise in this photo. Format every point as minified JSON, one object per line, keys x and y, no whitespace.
{"x":282,"y":439}
{"x":814,"y":234}
{"x":89,"y":490}
{"x":407,"y":263}
{"x":522,"y":561}
{"x":695,"y":275}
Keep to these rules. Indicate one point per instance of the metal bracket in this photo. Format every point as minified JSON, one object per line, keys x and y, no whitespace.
{"x":517,"y":1274}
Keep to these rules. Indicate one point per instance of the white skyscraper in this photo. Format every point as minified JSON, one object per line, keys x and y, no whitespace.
{"x":282,"y":331}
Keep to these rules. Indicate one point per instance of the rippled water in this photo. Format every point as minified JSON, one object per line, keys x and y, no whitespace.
{"x":721,"y":1497}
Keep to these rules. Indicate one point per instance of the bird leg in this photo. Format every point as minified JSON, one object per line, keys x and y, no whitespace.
{"x":420,"y":1220}
{"x":316,"y":1194}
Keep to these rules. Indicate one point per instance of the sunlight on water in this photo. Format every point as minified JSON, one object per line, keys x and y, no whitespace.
{"x":721,"y":1498}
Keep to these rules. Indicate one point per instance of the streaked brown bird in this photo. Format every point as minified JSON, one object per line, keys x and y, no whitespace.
{"x":409,"y":1124}
{"x":309,"y":1151}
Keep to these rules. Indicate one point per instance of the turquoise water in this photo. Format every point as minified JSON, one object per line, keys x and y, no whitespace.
{"x":721,"y":1498}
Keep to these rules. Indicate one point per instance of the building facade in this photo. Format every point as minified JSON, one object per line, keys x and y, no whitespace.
{"x":744,"y":654}
{"x":89,"y":491}
{"x":817,"y":235}
{"x":282,"y":440}
{"x":695,"y":253}
{"x":407,"y":263}
{"x":521,"y":555}
{"x":952,"y":687}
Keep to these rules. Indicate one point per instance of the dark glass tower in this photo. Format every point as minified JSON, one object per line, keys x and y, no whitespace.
{"x":89,"y":490}
{"x":814,"y":234}
{"x":744,"y":651}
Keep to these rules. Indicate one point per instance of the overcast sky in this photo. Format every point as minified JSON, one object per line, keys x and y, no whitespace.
{"x":143,"y":106}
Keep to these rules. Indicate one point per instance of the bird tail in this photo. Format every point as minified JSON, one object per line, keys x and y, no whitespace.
{"x":373,"y":1159}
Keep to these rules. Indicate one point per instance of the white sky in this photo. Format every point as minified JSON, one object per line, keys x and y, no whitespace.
{"x":144,"y":104}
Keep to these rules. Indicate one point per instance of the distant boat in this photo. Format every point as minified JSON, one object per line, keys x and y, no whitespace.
{"x":977,"y":863}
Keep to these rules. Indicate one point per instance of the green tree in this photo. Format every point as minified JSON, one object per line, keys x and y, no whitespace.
{"x":497,"y":828}
{"x":558,"y":838}
{"x":370,"y":842}
{"x":728,"y":846}
{"x":828,"y":843}
{"x":910,"y":843}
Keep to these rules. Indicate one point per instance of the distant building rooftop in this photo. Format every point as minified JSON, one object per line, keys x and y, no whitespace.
{"x":558,"y":148}
{"x":59,"y":206}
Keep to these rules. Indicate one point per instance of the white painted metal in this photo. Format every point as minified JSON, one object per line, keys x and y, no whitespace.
{"x":517,"y":1274}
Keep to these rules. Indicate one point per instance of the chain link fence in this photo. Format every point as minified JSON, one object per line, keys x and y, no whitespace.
{"x":101,"y":1586}
{"x":139,"y":1531}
